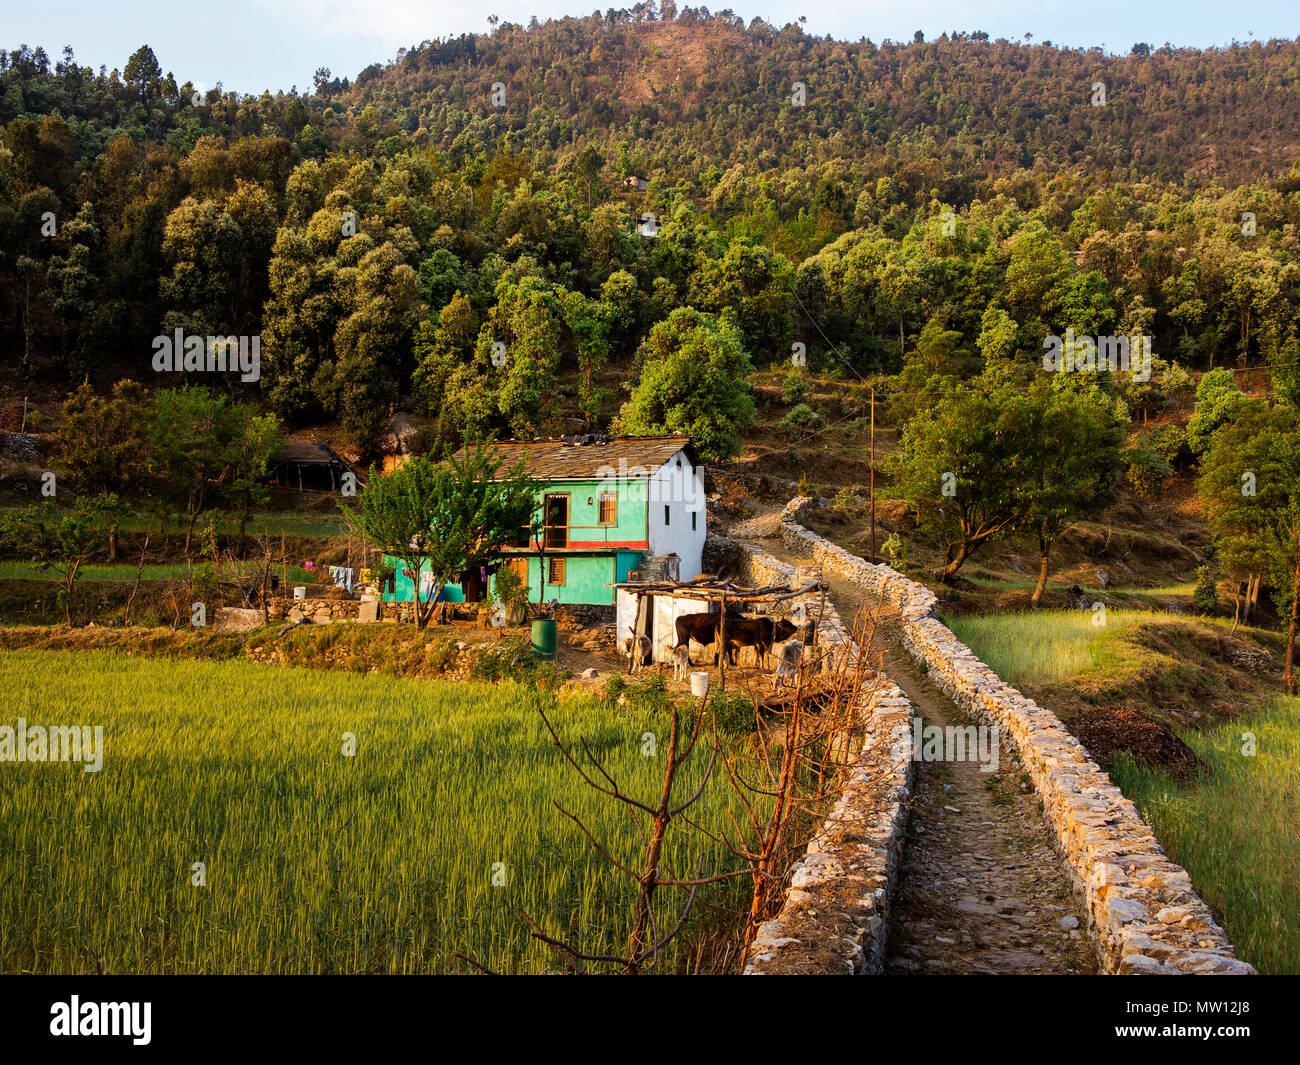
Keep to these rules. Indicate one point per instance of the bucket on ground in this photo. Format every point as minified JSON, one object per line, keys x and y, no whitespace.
{"x":699,"y":685}
{"x":300,"y":591}
{"x":545,"y":637}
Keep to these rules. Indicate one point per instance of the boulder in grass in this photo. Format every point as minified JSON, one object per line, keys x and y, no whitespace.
{"x":237,"y":619}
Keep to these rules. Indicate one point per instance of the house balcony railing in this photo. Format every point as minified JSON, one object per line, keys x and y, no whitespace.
{"x":559,"y":537}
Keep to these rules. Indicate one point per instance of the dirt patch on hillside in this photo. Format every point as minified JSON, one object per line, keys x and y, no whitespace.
{"x":1107,"y":730}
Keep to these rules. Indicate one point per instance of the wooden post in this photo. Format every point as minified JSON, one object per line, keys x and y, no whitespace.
{"x":636,"y":625}
{"x":722,"y":646}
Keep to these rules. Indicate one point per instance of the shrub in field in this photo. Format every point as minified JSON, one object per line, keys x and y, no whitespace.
{"x":1206,"y":594}
{"x":893,"y":549}
{"x":795,"y":388}
{"x":1147,"y":471}
{"x":800,"y":422}
{"x":734,"y":713}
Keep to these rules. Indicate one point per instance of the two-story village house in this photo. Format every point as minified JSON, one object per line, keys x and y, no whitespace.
{"x":605,"y":503}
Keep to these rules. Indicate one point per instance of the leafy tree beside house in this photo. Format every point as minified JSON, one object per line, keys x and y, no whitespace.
{"x":691,"y":381}
{"x":443,"y":518}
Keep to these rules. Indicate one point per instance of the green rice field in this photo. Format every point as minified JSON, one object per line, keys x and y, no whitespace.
{"x":423,"y":844}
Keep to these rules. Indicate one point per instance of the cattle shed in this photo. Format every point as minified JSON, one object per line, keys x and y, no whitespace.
{"x":651,"y":608}
{"x":309,"y":466}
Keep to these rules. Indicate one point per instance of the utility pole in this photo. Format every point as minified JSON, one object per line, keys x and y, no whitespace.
{"x":872,"y":490}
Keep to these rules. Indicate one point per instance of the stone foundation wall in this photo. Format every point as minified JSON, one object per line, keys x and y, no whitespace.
{"x":1143,"y":911}
{"x":320,"y":610}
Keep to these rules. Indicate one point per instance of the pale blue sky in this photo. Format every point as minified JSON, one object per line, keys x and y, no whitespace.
{"x":252,"y":45}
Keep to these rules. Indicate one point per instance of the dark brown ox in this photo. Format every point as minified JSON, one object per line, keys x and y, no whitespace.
{"x":702,"y":628}
{"x":759,"y":633}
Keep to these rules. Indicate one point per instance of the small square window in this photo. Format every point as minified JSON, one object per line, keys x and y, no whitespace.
{"x":555,"y":571}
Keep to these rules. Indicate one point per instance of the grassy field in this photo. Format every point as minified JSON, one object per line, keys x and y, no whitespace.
{"x":127,"y":571}
{"x":308,"y":524}
{"x":1236,"y":828}
{"x":315,"y":861}
{"x":1047,"y":646}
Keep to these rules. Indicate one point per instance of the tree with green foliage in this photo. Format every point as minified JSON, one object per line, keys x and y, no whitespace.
{"x":1218,"y":400}
{"x":61,"y":540}
{"x":983,"y":463}
{"x":207,"y":451}
{"x":444,"y":518}
{"x":1250,"y":483}
{"x":691,"y":380}
{"x":1069,"y":454}
{"x":588,"y":324}
{"x":961,"y":467}
{"x":102,"y":444}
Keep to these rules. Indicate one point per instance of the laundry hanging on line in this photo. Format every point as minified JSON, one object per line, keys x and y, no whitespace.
{"x":342,"y":576}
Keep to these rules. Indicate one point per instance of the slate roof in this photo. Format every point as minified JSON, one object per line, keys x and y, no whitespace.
{"x":307,"y":453}
{"x":558,"y":460}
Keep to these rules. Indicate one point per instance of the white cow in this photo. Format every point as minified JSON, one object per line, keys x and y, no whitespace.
{"x":787,"y":665}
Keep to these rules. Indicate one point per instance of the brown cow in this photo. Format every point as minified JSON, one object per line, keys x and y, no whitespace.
{"x":702,"y":628}
{"x":759,"y":633}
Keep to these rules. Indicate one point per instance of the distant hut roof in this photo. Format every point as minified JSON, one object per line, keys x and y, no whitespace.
{"x":309,"y":464}
{"x":307,"y":453}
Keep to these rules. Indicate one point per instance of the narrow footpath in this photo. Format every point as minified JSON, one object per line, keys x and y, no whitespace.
{"x":982,"y":888}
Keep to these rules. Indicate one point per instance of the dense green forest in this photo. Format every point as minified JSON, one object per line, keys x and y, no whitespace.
{"x":455,"y":229}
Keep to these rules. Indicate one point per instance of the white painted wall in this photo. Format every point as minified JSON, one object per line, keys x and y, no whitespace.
{"x":667,"y":609}
{"x":680,"y":488}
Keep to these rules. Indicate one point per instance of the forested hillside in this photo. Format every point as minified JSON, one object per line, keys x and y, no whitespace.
{"x":454,"y":230}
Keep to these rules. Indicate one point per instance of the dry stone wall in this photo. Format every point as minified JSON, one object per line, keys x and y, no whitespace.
{"x":1142,"y":908}
{"x":836,"y":911}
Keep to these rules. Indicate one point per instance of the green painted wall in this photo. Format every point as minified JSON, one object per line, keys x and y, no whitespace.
{"x":631,"y":524}
{"x":589,"y":569}
{"x":586,"y":579}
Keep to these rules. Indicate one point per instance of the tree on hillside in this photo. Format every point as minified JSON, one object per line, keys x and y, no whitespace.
{"x":960,"y":469}
{"x":101,"y":447}
{"x":1218,"y":400}
{"x":691,"y":380}
{"x":206,"y":451}
{"x":588,"y":323}
{"x":1250,"y":483}
{"x":1071,"y":444}
{"x":441,"y":519}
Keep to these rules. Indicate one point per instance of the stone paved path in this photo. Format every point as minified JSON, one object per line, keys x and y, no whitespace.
{"x":982,"y":887}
